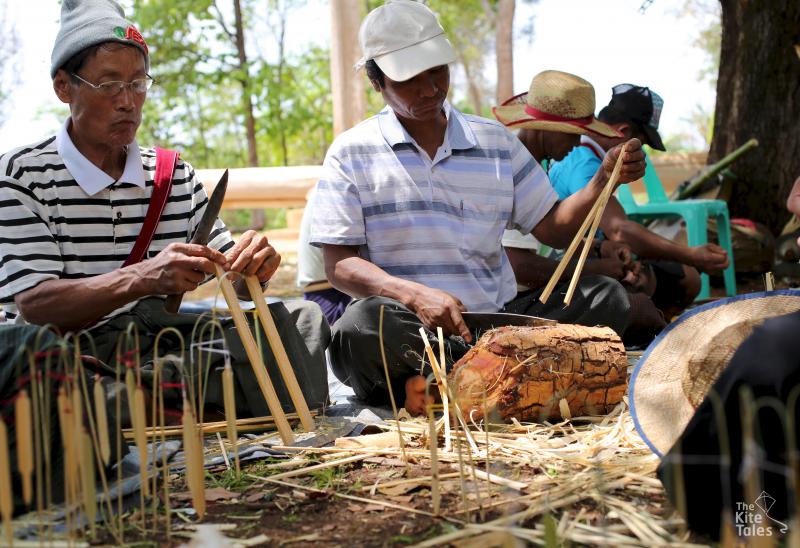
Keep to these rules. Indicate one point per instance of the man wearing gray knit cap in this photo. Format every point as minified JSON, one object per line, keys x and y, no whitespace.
{"x":73,"y":205}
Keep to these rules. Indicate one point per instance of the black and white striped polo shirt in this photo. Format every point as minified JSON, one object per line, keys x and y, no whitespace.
{"x":50,"y":227}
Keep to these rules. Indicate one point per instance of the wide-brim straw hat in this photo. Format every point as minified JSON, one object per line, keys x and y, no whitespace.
{"x":679,"y":367}
{"x":556,"y":101}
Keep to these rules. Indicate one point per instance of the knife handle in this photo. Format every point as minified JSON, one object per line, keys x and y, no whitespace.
{"x":173,"y":303}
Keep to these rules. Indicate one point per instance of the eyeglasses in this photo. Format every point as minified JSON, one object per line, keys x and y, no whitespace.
{"x":110,"y":89}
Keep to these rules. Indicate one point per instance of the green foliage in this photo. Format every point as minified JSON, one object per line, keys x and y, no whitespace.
{"x":239,"y":220}
{"x":197,"y":105}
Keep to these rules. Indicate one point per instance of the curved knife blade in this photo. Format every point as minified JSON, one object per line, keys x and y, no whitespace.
{"x":203,"y":230}
{"x":206,"y":224}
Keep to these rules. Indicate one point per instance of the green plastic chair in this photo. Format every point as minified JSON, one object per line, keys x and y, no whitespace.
{"x":694,"y":212}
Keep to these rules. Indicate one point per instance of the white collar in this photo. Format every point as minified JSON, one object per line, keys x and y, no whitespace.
{"x":91,"y":178}
{"x":588,"y":141}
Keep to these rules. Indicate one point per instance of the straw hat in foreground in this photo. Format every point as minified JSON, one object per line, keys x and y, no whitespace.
{"x":556,"y":101}
{"x":678,"y":369}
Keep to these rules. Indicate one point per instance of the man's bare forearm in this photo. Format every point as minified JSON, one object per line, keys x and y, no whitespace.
{"x":558,"y":227}
{"x":359,"y":278}
{"x":71,"y":304}
{"x":643,"y":242}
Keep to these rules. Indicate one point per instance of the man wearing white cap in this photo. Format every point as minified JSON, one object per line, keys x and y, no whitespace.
{"x":413,"y":204}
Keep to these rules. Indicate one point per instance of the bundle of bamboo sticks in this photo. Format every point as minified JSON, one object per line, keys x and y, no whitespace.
{"x":591,"y":223}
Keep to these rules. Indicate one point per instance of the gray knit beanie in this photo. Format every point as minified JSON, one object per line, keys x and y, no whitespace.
{"x":85,"y":23}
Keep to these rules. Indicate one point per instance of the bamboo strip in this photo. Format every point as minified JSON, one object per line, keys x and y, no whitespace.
{"x":316,"y":467}
{"x":389,"y":386}
{"x":249,"y":424}
{"x":6,"y":487}
{"x":497,"y":480}
{"x":279,"y":351}
{"x":194,"y":461}
{"x":67,"y":440}
{"x":139,"y":424}
{"x":24,"y":433}
{"x":448,"y":442}
{"x":88,"y":486}
{"x":229,"y":397}
{"x":419,"y":479}
{"x":433,"y":440}
{"x":256,"y":360}
{"x":101,"y":418}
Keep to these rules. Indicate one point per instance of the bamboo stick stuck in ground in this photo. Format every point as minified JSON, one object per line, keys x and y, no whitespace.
{"x":101,"y":419}
{"x":193,"y":455}
{"x":6,"y":494}
{"x":25,"y":458}
{"x":256,"y":360}
{"x":278,"y":350}
{"x":229,"y":397}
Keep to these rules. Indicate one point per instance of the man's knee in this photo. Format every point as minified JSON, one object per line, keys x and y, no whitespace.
{"x":610,"y":296}
{"x":690,"y":284}
{"x":363,"y":313}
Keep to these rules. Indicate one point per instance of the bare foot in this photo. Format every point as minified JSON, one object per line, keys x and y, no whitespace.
{"x":416,"y":402}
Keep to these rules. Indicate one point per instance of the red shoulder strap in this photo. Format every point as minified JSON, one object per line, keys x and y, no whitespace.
{"x":166,"y":160}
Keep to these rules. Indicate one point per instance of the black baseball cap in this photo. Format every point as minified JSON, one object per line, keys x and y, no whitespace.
{"x":641,"y":106}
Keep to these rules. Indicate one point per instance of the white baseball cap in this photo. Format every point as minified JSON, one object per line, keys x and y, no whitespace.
{"x":404,"y":38}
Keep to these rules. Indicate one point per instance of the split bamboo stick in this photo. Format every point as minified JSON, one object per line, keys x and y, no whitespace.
{"x":252,"y":424}
{"x":25,"y":457}
{"x":194,"y":461}
{"x":389,"y":387}
{"x":256,"y":360}
{"x":139,"y":419}
{"x":88,"y":486}
{"x":101,"y":420}
{"x":229,"y":397}
{"x":593,"y":212}
{"x":278,"y":350}
{"x":6,"y":493}
{"x":445,"y":398}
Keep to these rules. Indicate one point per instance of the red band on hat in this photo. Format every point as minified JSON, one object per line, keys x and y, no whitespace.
{"x":547,"y":117}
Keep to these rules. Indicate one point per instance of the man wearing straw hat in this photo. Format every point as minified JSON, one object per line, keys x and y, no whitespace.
{"x":635,"y":111}
{"x":560,"y":109}
{"x":412,"y":207}
{"x":73,"y":206}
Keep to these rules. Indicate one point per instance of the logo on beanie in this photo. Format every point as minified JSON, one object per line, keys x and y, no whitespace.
{"x":131,"y":34}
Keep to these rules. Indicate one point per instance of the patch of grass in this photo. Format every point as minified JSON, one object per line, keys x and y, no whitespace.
{"x":230,"y":480}
{"x":327,"y":477}
{"x":290,"y":518}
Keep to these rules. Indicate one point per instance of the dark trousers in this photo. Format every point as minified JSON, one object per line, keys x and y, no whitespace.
{"x":355,"y":352}
{"x":705,"y":471}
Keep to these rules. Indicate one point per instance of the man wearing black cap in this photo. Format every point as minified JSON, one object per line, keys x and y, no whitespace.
{"x":635,"y":111}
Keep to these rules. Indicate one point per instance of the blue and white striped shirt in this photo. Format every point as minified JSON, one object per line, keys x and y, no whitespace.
{"x":440,"y":222}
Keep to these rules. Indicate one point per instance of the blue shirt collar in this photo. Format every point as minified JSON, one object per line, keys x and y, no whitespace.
{"x":91,"y":178}
{"x":459,"y":135}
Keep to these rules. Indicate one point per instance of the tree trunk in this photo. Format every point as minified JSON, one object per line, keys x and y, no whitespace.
{"x":247,"y":102}
{"x":473,"y":87}
{"x":526,"y":372}
{"x":347,"y":88}
{"x":504,"y":48}
{"x":758,"y":95}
